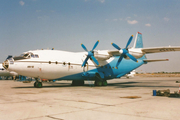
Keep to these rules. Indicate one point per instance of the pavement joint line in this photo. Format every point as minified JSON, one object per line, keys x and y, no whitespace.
{"x":31,"y":118}
{"x":65,"y":112}
{"x":50,"y":115}
{"x":23,"y":100}
{"x":54,"y":117}
{"x":134,"y":101}
{"x":86,"y":102}
{"x":117,"y":104}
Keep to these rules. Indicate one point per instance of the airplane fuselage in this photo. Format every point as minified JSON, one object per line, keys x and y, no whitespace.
{"x":63,"y":65}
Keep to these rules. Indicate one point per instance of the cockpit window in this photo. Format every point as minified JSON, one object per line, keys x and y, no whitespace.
{"x":32,"y":55}
{"x":28,"y":55}
{"x":21,"y":55}
{"x":36,"y":56}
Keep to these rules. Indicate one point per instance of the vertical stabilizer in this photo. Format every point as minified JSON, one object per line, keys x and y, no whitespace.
{"x":138,"y":41}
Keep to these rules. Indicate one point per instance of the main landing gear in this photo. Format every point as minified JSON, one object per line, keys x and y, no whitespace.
{"x":38,"y":83}
{"x":100,"y":83}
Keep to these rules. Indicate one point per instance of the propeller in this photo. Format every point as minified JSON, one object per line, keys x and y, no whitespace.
{"x":90,"y":54}
{"x":124,"y":52}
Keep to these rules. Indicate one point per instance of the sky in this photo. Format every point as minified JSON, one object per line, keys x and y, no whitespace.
{"x":65,"y":24}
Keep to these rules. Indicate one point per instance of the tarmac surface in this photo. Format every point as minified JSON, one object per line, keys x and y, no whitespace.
{"x":122,"y":99}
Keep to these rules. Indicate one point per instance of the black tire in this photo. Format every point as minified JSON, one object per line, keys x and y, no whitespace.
{"x":104,"y":83}
{"x":99,"y":83}
{"x":38,"y":84}
{"x":35,"y":84}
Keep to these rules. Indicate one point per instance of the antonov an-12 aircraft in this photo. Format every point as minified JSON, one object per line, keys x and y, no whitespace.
{"x":94,"y":65}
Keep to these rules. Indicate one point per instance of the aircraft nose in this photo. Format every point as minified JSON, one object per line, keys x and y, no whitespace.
{"x":6,"y":64}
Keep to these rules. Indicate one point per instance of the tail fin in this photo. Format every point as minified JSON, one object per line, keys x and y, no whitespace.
{"x":138,"y":41}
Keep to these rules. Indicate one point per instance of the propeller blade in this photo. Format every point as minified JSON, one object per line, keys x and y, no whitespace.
{"x":129,"y":41}
{"x":85,"y":61}
{"x":95,"y":45}
{"x":94,"y":59}
{"x":84,"y":47}
{"x":116,"y":46}
{"x":131,"y":57}
{"x":119,"y":60}
{"x":90,"y":54}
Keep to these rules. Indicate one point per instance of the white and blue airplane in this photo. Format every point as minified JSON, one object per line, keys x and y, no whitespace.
{"x":94,"y":65}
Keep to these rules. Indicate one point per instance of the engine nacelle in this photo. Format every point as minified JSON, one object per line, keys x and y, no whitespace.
{"x":101,"y":55}
{"x":137,"y":53}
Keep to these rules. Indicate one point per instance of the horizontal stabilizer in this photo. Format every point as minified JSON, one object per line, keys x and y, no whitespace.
{"x":157,"y":60}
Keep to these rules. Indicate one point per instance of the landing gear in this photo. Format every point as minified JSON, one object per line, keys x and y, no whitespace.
{"x":100,"y":83}
{"x":38,"y":84}
{"x":77,"y":83}
{"x":104,"y":83}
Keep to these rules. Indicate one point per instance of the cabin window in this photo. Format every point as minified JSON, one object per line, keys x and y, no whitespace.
{"x":56,"y":62}
{"x":49,"y":62}
{"x":64,"y":63}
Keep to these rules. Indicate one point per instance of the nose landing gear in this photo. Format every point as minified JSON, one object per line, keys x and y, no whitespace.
{"x":38,"y":83}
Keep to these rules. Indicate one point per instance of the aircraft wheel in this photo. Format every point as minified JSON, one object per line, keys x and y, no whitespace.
{"x":38,"y":84}
{"x":104,"y":83}
{"x":98,"y":83}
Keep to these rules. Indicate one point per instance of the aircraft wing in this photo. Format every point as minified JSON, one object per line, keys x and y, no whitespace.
{"x":160,"y":49}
